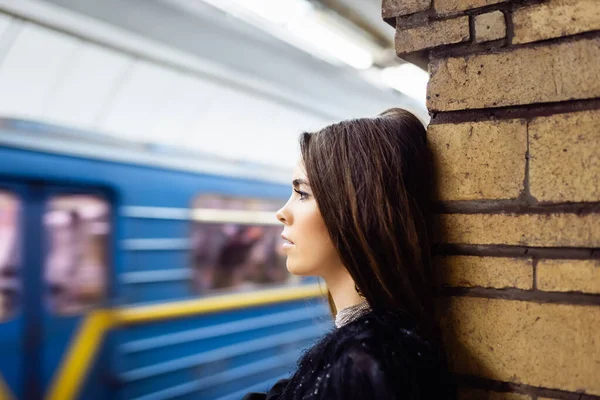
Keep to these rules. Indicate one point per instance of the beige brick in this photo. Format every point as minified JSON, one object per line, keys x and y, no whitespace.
{"x":549,"y":73}
{"x":490,"y":26}
{"x":477,"y":394}
{"x":565,"y":157}
{"x":433,"y":34}
{"x":549,"y":345}
{"x":555,"y":18}
{"x":482,"y":160}
{"x":569,"y":275}
{"x":490,"y":272}
{"x":543,"y":230}
{"x":397,"y":8}
{"x":445,"y":7}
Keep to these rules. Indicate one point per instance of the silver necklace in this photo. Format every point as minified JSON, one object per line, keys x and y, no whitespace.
{"x":351,"y":313}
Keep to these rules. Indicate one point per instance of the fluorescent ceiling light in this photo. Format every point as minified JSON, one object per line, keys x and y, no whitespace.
{"x":408,"y":79}
{"x":327,"y":38}
{"x":277,"y":11}
{"x":298,"y":23}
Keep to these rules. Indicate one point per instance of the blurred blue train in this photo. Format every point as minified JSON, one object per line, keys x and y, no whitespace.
{"x":137,"y":273}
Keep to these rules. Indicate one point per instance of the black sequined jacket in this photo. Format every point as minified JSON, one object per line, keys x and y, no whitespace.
{"x":377,"y":356}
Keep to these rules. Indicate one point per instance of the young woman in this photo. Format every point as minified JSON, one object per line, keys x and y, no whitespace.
{"x":359,"y":217}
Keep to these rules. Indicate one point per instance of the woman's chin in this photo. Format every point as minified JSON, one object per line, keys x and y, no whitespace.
{"x":295,"y":269}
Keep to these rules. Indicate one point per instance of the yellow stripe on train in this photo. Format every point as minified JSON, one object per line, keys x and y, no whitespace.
{"x":5,"y":393}
{"x":79,"y":357}
{"x":140,"y":314}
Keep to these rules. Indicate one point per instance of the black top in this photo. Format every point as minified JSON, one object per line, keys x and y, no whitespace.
{"x":380,"y":355}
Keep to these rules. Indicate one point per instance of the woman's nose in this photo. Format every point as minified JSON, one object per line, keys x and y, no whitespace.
{"x":280,"y":215}
{"x":283,"y":215}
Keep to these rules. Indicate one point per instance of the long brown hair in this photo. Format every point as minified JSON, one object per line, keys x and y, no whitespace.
{"x":372,"y":180}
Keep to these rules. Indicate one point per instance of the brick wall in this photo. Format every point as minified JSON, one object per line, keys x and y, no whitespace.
{"x":514,"y":96}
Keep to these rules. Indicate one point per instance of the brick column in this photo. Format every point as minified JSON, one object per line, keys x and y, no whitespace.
{"x":514,"y":96}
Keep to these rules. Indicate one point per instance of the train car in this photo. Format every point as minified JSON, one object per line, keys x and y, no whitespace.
{"x":136,"y":272}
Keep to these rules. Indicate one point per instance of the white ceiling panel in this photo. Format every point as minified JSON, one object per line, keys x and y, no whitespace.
{"x":277,"y":134}
{"x":9,"y":30}
{"x":224,"y":128}
{"x":5,"y":21}
{"x":91,"y":79}
{"x":240,"y":126}
{"x":25,"y":85}
{"x":189,"y":98}
{"x":135,"y":109}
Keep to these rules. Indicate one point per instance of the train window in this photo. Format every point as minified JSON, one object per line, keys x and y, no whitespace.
{"x":10,"y":207}
{"x":77,"y":231}
{"x":236,"y":244}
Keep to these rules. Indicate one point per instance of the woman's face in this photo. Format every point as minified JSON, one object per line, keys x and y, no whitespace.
{"x":307,"y":243}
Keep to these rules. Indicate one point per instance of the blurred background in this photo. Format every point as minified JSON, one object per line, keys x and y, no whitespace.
{"x":233,"y":78}
{"x":144,"y":148}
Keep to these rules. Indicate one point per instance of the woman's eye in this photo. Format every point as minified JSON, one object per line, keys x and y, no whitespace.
{"x":303,"y":195}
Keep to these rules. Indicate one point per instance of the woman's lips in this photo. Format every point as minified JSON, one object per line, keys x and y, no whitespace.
{"x":287,"y":243}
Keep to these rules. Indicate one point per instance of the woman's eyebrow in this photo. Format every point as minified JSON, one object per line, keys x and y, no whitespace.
{"x":298,"y":182}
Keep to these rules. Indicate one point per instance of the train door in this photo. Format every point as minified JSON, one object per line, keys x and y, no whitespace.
{"x":13,"y":209}
{"x":62,"y":260}
{"x":75,"y":278}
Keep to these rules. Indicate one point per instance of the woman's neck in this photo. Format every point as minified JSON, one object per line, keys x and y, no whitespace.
{"x":343,"y":292}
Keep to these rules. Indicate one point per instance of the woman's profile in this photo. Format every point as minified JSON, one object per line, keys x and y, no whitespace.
{"x":359,"y":217}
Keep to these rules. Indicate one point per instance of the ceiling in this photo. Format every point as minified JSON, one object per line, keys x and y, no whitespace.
{"x":182,"y":73}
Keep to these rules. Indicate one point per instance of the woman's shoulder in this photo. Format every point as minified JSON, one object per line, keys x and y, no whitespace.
{"x":411,"y":356}
{"x":392,"y":329}
{"x":380,"y":352}
{"x":385,"y":328}
{"x":388,"y":338}
{"x":379,"y":355}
